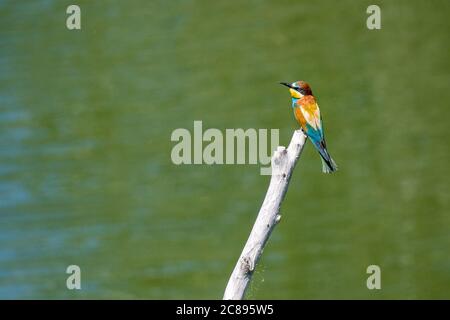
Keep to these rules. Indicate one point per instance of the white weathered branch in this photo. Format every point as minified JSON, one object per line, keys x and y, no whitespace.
{"x":283,"y":164}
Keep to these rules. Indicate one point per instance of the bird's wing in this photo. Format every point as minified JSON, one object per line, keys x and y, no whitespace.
{"x":311,"y":113}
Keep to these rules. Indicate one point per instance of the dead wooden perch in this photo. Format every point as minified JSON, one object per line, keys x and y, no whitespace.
{"x":283,"y":164}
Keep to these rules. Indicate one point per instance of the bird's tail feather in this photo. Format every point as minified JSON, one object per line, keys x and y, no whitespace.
{"x":328,"y":166}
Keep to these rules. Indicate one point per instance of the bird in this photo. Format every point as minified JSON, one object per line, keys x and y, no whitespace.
{"x":307,"y":114}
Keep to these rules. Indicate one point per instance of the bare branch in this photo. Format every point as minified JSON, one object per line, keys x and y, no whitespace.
{"x":283,"y":164}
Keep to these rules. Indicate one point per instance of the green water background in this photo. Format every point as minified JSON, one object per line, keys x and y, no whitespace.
{"x":86,"y":176}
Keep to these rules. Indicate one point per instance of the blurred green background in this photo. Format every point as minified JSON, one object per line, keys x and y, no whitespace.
{"x":86,"y":176}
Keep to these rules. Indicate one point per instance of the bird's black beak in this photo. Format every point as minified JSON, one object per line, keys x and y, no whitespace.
{"x":286,"y":84}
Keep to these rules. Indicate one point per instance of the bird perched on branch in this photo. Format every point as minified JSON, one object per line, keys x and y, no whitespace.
{"x":307,"y":114}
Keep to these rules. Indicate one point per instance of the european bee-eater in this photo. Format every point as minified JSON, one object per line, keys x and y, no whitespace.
{"x":307,"y":114}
